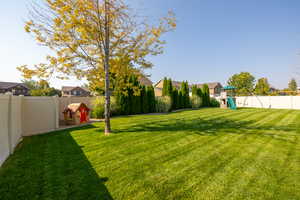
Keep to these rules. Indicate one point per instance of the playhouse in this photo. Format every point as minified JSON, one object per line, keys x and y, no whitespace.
{"x":76,"y":113}
{"x":227,"y":99}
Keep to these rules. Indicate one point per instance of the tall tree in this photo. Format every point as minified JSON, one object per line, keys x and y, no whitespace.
{"x":92,"y":39}
{"x":185,"y":94}
{"x":293,"y":85}
{"x":205,"y":95}
{"x":151,"y":98}
{"x":194,"y":90}
{"x":244,"y":82}
{"x":165,"y":87}
{"x":262,"y":87}
{"x":170,"y":87}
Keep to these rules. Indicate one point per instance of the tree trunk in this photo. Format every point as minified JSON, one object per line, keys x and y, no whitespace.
{"x":106,"y":69}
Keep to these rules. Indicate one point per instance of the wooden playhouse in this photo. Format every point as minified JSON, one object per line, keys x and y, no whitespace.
{"x":76,"y":113}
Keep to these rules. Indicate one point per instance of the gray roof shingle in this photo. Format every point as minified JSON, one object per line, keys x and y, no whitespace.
{"x":8,"y":85}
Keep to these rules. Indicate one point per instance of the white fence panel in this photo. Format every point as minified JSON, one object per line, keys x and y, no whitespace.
{"x":4,"y":129}
{"x":279,"y":102}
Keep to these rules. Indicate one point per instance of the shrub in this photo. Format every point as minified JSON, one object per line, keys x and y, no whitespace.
{"x":196,"y":102}
{"x":214,"y":102}
{"x":163,"y":104}
{"x":98,"y":107}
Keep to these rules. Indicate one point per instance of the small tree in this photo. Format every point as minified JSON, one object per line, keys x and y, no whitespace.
{"x":262,"y":87}
{"x":293,"y":85}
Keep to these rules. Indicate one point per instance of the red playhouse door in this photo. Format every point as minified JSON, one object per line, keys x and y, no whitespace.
{"x":83,"y":115}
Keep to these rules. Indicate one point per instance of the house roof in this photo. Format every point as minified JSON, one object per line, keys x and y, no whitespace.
{"x":74,"y":107}
{"x":177,"y":84}
{"x":70,"y":88}
{"x":211,"y":85}
{"x":8,"y":85}
{"x":145,"y":81}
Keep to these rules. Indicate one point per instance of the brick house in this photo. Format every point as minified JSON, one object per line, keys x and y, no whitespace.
{"x":68,"y":91}
{"x":214,"y":87}
{"x":14,"y":88}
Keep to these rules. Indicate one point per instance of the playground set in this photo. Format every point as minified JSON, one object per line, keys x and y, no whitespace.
{"x":227,"y":99}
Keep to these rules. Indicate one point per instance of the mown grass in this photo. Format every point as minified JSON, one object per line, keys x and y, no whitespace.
{"x":202,"y":154}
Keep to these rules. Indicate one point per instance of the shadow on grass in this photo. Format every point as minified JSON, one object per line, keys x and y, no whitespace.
{"x":213,"y":127}
{"x":51,"y":166}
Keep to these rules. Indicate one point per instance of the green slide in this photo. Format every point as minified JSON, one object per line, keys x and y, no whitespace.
{"x":231,"y":103}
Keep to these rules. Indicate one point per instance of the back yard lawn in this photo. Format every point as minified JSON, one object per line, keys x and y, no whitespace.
{"x":204,"y":154}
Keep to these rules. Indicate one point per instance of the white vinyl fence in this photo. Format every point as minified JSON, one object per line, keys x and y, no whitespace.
{"x":280,"y":102}
{"x":26,"y":116}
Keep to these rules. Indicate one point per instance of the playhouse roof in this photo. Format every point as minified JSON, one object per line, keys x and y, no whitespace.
{"x":228,"y":87}
{"x":74,"y":107}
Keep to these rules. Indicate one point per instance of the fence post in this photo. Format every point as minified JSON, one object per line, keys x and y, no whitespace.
{"x":10,"y":150}
{"x":56,"y":112}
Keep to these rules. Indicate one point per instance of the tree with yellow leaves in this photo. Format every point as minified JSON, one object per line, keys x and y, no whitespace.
{"x":93,"y":39}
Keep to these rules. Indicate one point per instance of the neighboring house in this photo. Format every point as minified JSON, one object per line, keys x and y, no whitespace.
{"x":68,"y":91}
{"x":159,"y":86}
{"x":214,"y":88}
{"x":14,"y":88}
{"x":145,"y":81}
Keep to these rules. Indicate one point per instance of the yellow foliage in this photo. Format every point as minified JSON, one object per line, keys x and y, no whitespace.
{"x":75,"y":31}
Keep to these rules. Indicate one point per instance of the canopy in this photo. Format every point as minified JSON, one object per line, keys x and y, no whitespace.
{"x":228,"y":87}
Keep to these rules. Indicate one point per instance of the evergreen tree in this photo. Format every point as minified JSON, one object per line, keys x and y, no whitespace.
{"x":185,"y":94}
{"x":175,"y":99}
{"x":205,"y":95}
{"x":151,"y":99}
{"x":199,"y":93}
{"x":194,"y":90}
{"x":144,"y":100}
{"x":169,"y":88}
{"x":293,"y":85}
{"x":165,"y":87}
{"x":180,"y":100}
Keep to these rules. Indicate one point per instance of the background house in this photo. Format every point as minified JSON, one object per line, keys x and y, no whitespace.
{"x":214,"y":87}
{"x":14,"y":88}
{"x":145,"y":81}
{"x":68,"y":91}
{"x":160,"y":84}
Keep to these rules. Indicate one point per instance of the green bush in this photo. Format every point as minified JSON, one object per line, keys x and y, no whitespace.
{"x":163,"y":104}
{"x":98,"y":107}
{"x":196,"y":102}
{"x":214,"y":102}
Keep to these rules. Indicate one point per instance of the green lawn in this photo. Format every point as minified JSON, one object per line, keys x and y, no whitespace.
{"x":203,"y":154}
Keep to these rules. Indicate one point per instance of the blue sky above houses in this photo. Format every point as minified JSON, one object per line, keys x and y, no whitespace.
{"x":214,"y":40}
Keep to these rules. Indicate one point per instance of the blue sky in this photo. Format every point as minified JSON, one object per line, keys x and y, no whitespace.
{"x":214,"y":39}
